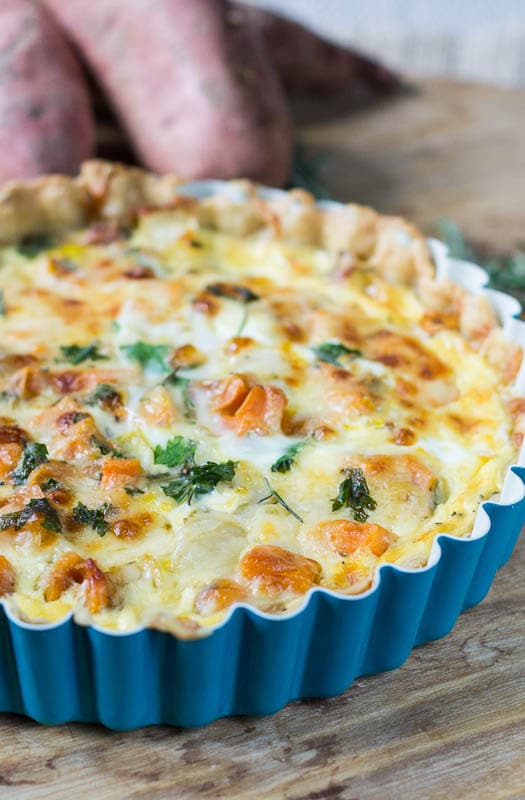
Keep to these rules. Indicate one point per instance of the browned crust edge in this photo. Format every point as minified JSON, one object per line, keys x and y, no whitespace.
{"x":388,"y":245}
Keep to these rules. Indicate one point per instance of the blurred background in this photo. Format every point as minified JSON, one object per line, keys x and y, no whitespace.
{"x":476,"y":40}
{"x":413,"y":107}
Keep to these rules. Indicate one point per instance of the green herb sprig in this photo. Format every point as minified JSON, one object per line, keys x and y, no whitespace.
{"x":31,"y":246}
{"x":94,"y":517}
{"x":285,"y":462}
{"x":276,"y":498}
{"x":199,"y":479}
{"x":332,"y":352}
{"x":34,"y":454}
{"x":355,"y":494}
{"x":76,"y":354}
{"x":147,"y":355}
{"x":178,"y":450}
{"x":40,"y":505}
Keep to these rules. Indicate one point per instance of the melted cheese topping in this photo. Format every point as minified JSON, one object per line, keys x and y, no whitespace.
{"x":241,"y":349}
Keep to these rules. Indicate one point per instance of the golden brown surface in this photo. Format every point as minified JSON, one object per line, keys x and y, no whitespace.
{"x":453,"y":722}
{"x":448,"y":724}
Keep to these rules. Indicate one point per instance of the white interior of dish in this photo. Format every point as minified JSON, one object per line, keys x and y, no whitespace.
{"x":470,"y":277}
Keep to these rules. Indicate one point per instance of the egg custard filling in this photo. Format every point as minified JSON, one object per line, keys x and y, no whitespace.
{"x":235,"y":400}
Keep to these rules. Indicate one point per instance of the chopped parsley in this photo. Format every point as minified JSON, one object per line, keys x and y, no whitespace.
{"x":241,"y":294}
{"x":94,"y":517}
{"x":34,"y":454}
{"x":147,"y":354}
{"x":76,"y":354}
{"x":178,"y":450}
{"x":199,"y":479}
{"x":285,"y":462}
{"x":41,"y":505}
{"x":33,"y":245}
{"x":276,"y":498}
{"x":3,"y":307}
{"x":331,"y":352}
{"x":49,"y":485}
{"x":106,"y":396}
{"x":355,"y":494}
{"x":104,"y":447}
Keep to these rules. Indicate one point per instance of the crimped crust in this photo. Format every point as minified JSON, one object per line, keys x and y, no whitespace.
{"x":251,"y":375}
{"x":389,"y":245}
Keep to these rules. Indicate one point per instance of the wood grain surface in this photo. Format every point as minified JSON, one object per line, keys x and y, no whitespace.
{"x":442,"y":150}
{"x":450,"y":723}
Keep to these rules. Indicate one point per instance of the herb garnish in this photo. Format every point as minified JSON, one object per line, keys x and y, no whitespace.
{"x":104,"y":447}
{"x":355,"y":494}
{"x":41,"y":505}
{"x":285,"y":462}
{"x":105,"y":395}
{"x":147,"y":354}
{"x":94,"y":517}
{"x":331,"y":352}
{"x":178,"y":450}
{"x":132,"y":490}
{"x":231,"y":291}
{"x":3,"y":307}
{"x":34,"y":454}
{"x":31,"y":246}
{"x":50,"y":485}
{"x":199,"y":479}
{"x":75,"y":353}
{"x":276,"y":497}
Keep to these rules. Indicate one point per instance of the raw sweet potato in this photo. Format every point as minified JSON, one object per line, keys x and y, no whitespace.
{"x":197,"y":94}
{"x":45,"y":116}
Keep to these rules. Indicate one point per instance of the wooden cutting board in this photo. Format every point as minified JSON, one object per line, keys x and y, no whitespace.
{"x":450,"y":723}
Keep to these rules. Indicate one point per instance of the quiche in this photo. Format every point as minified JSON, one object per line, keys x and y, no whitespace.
{"x":230,"y":398}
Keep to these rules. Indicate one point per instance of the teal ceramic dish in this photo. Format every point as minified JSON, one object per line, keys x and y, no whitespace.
{"x":255,"y":663}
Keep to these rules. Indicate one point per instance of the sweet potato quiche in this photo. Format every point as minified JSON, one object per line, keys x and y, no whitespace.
{"x":233,"y":398}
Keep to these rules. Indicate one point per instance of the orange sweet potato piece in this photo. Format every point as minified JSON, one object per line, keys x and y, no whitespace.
{"x":70,"y":568}
{"x":229,"y":394}
{"x":219,"y":595}
{"x":119,"y":472}
{"x":7,"y":577}
{"x":259,"y":409}
{"x":345,"y":536}
{"x":271,"y":570}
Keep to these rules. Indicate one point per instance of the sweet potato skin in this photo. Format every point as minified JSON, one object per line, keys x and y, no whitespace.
{"x":307,"y":64}
{"x":195,"y":91}
{"x":46,"y":123}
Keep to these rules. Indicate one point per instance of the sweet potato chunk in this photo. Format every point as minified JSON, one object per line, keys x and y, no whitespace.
{"x":271,"y":570}
{"x":119,"y":472}
{"x":70,"y":568}
{"x":218,"y":595}
{"x":7,"y":577}
{"x":259,"y":409}
{"x":345,"y":536}
{"x":396,"y":480}
{"x":229,"y":394}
